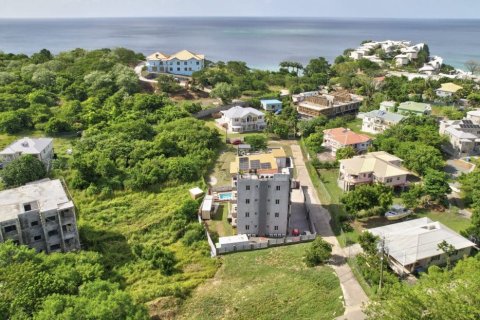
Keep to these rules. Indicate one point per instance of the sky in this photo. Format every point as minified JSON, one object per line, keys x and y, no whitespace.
{"x":433,"y":9}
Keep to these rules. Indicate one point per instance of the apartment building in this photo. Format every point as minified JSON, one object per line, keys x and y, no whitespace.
{"x":263,"y":205}
{"x":182,"y":63}
{"x":41,"y":148}
{"x":330,"y":105}
{"x":39,"y":215}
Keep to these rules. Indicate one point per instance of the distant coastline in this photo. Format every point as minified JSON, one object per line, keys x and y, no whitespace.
{"x":261,"y":42}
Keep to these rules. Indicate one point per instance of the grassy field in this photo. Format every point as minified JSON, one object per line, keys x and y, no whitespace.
{"x":219,"y":222}
{"x":267,"y":284}
{"x":222,"y":167}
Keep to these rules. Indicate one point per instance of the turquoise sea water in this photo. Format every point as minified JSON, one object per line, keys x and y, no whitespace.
{"x":261,"y":42}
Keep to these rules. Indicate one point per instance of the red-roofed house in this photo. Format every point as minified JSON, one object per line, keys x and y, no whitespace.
{"x":339,"y":138}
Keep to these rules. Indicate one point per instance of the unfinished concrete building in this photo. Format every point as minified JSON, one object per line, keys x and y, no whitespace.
{"x":39,"y":215}
{"x":330,"y":105}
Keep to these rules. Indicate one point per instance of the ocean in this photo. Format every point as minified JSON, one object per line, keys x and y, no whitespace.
{"x":261,"y":42}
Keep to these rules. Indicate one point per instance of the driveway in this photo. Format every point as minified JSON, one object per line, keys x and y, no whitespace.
{"x":353,"y":294}
{"x":138,"y":71}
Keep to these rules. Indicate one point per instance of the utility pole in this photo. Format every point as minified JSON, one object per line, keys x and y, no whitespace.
{"x":382,"y":252}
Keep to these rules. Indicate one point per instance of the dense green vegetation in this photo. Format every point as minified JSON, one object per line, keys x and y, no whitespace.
{"x":22,"y":170}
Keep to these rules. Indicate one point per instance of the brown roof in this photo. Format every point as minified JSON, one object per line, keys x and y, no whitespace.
{"x":346,"y":136}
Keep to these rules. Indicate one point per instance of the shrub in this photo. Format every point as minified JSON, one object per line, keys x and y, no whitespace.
{"x":318,"y":252}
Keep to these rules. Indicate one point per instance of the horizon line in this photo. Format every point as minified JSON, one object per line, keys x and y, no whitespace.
{"x":219,"y":16}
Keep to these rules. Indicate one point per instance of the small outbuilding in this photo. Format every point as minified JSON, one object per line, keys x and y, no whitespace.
{"x":233,"y":243}
{"x":196,"y":193}
{"x":207,"y":207}
{"x":273,"y":105}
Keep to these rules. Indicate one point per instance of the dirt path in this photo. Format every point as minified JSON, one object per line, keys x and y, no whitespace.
{"x":353,"y":294}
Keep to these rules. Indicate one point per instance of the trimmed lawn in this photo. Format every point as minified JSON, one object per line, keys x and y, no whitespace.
{"x":267,"y":284}
{"x":450,"y":218}
{"x":219,"y":222}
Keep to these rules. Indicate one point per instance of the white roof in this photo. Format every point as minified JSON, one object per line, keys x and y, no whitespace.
{"x":474,"y":113}
{"x":207,"y":203}
{"x":240,"y":112}
{"x":27,"y":146}
{"x":239,"y":238}
{"x":460,"y":134}
{"x":414,"y":240}
{"x":47,"y":194}
{"x":196,"y":191}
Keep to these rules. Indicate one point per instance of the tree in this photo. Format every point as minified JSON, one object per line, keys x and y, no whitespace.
{"x":44,"y":78}
{"x":257,"y":141}
{"x":368,"y":242}
{"x":14,"y":121}
{"x":472,"y":66}
{"x":25,"y":169}
{"x":315,"y":66}
{"x":167,"y":84}
{"x":345,"y":153}
{"x":411,"y":198}
{"x":435,"y":184}
{"x":225,"y":91}
{"x":314,"y":142}
{"x":56,"y":125}
{"x":367,"y":200}
{"x":307,"y":127}
{"x":317,"y":253}
{"x":448,"y":250}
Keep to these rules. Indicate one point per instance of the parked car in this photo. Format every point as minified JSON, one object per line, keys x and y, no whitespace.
{"x":295,"y":232}
{"x":306,"y":233}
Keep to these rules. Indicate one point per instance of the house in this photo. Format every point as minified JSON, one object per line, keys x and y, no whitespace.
{"x":433,"y":66}
{"x":39,"y":215}
{"x":181,"y":63}
{"x":411,"y":107}
{"x":474,"y":116}
{"x":388,"y":106}
{"x":373,"y":167}
{"x":339,"y":138}
{"x":463,"y":135}
{"x":447,"y":90}
{"x":242,"y":119}
{"x":207,"y":207}
{"x":271,"y":105}
{"x":413,"y":245}
{"x":263,"y":205}
{"x":41,"y":148}
{"x":330,"y":105}
{"x":402,"y":60}
{"x":377,"y":121}
{"x":265,"y":164}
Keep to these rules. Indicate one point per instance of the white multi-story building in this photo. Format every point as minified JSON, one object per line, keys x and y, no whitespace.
{"x":41,"y":148}
{"x":181,"y":63}
{"x":463,"y":135}
{"x":263,"y":205}
{"x":377,"y":121}
{"x":39,"y":215}
{"x":240,"y":119}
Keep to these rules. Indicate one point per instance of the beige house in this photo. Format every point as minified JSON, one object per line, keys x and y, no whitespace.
{"x":474,"y":116}
{"x":338,"y":138}
{"x":413,"y":245}
{"x":448,"y":90}
{"x":372,"y":167}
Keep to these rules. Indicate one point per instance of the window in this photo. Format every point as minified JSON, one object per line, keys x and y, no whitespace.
{"x":185,"y":69}
{"x":389,"y":180}
{"x":178,"y":63}
{"x":247,"y":187}
{"x":55,"y":247}
{"x":278,"y":188}
{"x":277,"y":201}
{"x":275,"y":228}
{"x":247,"y":214}
{"x":198,"y":63}
{"x":185,"y":63}
{"x":36,"y":238}
{"x":27,"y":207}
{"x":34,"y":223}
{"x":435,"y":258}
{"x":171,"y":69}
{"x":11,"y":228}
{"x":51,"y":219}
{"x":247,"y":227}
{"x":277,"y":214}
{"x":247,"y":201}
{"x":398,"y":178}
{"x":52,"y":233}
{"x":178,"y":69}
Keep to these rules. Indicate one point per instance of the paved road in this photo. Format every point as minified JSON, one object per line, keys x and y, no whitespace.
{"x":353,"y":294}
{"x":138,"y":71}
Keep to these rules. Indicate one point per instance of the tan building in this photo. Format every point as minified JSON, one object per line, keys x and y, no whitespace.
{"x":372,"y":167}
{"x":39,"y":215}
{"x":267,"y":163}
{"x":338,"y":138}
{"x":330,"y":105}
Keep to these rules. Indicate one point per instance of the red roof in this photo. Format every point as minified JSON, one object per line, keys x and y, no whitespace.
{"x":346,"y":136}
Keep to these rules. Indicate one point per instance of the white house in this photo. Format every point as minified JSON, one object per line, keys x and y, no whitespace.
{"x":413,"y":244}
{"x":464,"y":136}
{"x":240,"y":119}
{"x":273,"y":105}
{"x":388,"y":106}
{"x":402,"y":60}
{"x":377,"y":121}
{"x":474,"y":116}
{"x":41,"y":148}
{"x":181,"y":63}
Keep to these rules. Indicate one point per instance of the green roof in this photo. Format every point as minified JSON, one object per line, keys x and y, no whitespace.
{"x":414,"y":106}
